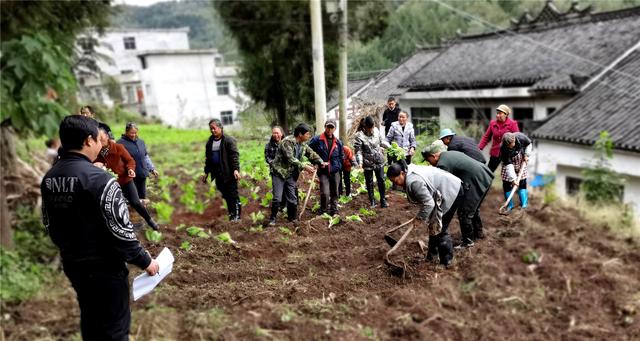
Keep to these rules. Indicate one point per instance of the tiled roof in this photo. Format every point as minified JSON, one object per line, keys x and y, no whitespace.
{"x":352,"y":87}
{"x":387,"y":84}
{"x":558,"y":56}
{"x":611,"y":103}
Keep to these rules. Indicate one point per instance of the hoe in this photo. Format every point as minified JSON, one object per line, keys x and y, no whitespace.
{"x":503,"y":209}
{"x":395,"y":268}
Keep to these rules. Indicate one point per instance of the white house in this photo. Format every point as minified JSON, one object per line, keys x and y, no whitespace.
{"x":185,"y":88}
{"x":609,"y":103}
{"x":119,"y":65}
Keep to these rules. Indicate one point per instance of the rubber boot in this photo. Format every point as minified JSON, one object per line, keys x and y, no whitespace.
{"x":524,"y":197}
{"x":445,"y":249}
{"x":478,"y":232}
{"x":238,"y":210}
{"x":432,"y":249}
{"x":274,"y":213}
{"x":510,"y":205}
{"x":292,"y":212}
{"x":383,"y":203}
{"x":372,"y":200}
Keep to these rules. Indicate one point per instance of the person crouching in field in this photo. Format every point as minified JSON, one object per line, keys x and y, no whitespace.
{"x":476,"y":182}
{"x":516,"y":148}
{"x":439,"y":194}
{"x":286,"y":170}
{"x":222,"y":162}
{"x":86,"y":216}
{"x":368,"y":146}
{"x":329,"y":148}
{"x":115,"y":156}
{"x":348,"y":162}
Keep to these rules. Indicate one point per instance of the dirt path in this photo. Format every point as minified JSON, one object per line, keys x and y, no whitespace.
{"x":320,"y":283}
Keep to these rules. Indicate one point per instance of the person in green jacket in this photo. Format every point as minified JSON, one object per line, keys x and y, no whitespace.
{"x":286,"y":169}
{"x":476,"y":182}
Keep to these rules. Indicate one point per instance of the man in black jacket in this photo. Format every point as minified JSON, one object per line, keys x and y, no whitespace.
{"x":222,"y":161}
{"x":462,"y":144}
{"x":85,"y":214}
{"x":390,"y":114}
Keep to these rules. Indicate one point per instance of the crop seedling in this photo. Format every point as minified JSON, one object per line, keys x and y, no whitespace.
{"x":225,"y":237}
{"x":256,"y":229}
{"x":367,"y":213}
{"x":334,"y":221}
{"x":180,"y":227}
{"x":531,"y":257}
{"x":344,"y":200}
{"x":185,"y":245}
{"x":195,"y":231}
{"x":190,"y":200}
{"x":287,"y":316}
{"x":153,"y":236}
{"x":266,"y":201}
{"x":316,"y":207}
{"x":355,"y":218}
{"x":244,"y":200}
{"x":325,"y":216}
{"x":286,"y":231}
{"x":257,"y":217}
{"x":164,"y":211}
{"x":301,"y":195}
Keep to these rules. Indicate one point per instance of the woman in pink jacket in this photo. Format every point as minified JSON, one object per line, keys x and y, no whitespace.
{"x":498,"y":127}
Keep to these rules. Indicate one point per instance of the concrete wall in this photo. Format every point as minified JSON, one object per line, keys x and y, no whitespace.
{"x":565,"y":159}
{"x":181,"y":90}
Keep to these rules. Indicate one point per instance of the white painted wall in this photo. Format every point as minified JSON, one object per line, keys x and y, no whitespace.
{"x":566,"y":159}
{"x":181,"y":89}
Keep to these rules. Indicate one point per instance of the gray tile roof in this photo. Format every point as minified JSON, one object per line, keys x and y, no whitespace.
{"x":387,"y":84}
{"x":611,"y":103}
{"x":556,"y":57}
{"x":352,"y":87}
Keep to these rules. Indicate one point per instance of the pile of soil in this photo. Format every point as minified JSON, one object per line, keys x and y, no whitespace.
{"x":543,"y":273}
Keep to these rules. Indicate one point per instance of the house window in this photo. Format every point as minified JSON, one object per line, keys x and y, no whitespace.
{"x":227,"y":117}
{"x":425,"y":119}
{"x":524,"y":116}
{"x":223,"y":88}
{"x":129,"y":43}
{"x":217,"y":60}
{"x":469,"y":116}
{"x":550,"y":111}
{"x":131,"y":94}
{"x":573,"y":185}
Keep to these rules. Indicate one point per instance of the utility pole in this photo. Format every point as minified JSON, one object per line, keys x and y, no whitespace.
{"x":342,"y":70}
{"x":318,"y":63}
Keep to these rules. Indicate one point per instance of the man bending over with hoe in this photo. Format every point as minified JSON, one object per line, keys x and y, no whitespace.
{"x":439,"y":194}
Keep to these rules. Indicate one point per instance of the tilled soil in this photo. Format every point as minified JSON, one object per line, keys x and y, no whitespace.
{"x":304,"y":281}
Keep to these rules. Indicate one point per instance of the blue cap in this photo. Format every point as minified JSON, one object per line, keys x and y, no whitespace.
{"x":446,"y":132}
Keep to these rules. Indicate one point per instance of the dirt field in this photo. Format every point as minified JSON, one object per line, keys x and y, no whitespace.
{"x":332,"y":284}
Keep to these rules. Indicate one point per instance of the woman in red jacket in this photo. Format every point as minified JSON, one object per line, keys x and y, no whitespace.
{"x":498,"y":127}
{"x":116,"y":157}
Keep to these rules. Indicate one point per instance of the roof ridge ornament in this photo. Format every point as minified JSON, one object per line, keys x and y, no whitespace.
{"x":550,"y":15}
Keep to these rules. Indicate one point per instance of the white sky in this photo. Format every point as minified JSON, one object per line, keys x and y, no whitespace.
{"x":143,"y":3}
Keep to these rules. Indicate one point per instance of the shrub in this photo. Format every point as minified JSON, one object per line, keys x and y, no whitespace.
{"x":601,"y":184}
{"x":20,"y":278}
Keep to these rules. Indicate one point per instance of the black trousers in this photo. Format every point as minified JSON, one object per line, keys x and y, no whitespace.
{"x":103,"y":296}
{"x":469,"y":214}
{"x":329,"y":192}
{"x":346,"y":179}
{"x":131,"y":193}
{"x":229,"y":190}
{"x":441,"y":243}
{"x":141,"y":186}
{"x":368,"y":177}
{"x":494,"y":162}
{"x":508,"y":186}
{"x":284,"y":191}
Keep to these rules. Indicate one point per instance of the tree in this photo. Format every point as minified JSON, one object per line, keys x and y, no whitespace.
{"x":601,"y":184}
{"x":37,"y":46}
{"x":274,"y":42}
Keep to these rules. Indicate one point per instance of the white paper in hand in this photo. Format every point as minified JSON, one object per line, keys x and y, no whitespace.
{"x":144,"y":283}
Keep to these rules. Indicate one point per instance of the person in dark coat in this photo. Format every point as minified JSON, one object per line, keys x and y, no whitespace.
{"x":390,"y":114}
{"x":463,"y":144}
{"x":270,"y":152}
{"x":476,"y":182}
{"x":330,"y":150}
{"x":86,"y":216}
{"x":516,"y":148}
{"x":222,"y":163}
{"x":138,"y":150}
